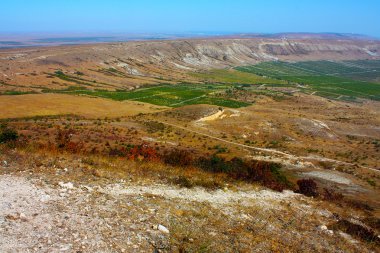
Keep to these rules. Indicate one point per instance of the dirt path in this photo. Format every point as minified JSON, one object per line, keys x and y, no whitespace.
{"x":264,"y":198}
{"x":270,"y":151}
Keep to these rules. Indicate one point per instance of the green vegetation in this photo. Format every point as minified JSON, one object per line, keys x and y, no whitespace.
{"x":171,"y":95}
{"x":335,"y":80}
{"x":78,"y":80}
{"x":111,"y":72}
{"x":233,"y":76}
{"x":14,"y":93}
{"x":72,"y":79}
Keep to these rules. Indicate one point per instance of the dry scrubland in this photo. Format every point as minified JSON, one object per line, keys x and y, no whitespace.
{"x":269,"y":157}
{"x":176,"y":168}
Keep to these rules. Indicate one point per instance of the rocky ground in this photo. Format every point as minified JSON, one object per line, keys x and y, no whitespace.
{"x":60,"y":203}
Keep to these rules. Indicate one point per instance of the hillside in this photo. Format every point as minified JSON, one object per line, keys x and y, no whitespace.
{"x":132,"y":64}
{"x":264,"y":144}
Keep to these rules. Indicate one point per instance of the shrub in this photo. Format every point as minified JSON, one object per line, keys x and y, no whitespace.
{"x":266,"y":173}
{"x":63,"y":141}
{"x":143,"y":152}
{"x":178,"y":157}
{"x":308,"y":187}
{"x":7,"y":134}
{"x":331,"y":195}
{"x":183,"y":182}
{"x":357,"y":230}
{"x":214,"y":164}
{"x":63,"y":137}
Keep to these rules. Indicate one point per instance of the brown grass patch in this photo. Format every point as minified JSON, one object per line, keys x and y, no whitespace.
{"x":61,"y":104}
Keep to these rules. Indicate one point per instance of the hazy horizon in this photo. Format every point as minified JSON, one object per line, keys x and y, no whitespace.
{"x":186,"y":17}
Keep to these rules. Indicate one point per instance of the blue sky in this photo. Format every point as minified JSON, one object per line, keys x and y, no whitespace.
{"x":164,"y":16}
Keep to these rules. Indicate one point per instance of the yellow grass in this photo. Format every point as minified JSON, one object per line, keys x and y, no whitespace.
{"x":61,"y":104}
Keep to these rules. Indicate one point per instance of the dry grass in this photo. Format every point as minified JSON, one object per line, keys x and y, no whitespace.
{"x":285,"y":226}
{"x":61,"y":104}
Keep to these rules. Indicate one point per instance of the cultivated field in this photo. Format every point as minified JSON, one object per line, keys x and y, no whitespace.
{"x":337,"y":80}
{"x":172,"y":95}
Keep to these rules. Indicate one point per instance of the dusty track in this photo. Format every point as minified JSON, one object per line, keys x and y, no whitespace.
{"x":287,"y":156}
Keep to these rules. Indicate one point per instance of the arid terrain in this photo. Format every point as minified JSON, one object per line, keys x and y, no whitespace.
{"x":199,"y":145}
{"x":130,"y":65}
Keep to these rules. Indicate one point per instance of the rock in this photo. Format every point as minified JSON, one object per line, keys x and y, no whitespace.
{"x":65,"y":248}
{"x":68,"y":185}
{"x":161,"y":228}
{"x":5,"y":163}
{"x":45,"y":198}
{"x":19,"y":216}
{"x":23,"y":217}
{"x":324,"y":229}
{"x":88,"y":188}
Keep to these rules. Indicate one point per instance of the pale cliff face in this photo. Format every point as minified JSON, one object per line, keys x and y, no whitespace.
{"x":149,"y":61}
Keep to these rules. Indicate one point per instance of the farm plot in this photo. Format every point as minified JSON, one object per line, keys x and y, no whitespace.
{"x":171,"y":95}
{"x":336,"y":80}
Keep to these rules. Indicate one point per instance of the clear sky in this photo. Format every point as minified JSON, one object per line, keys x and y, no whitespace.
{"x":176,"y":16}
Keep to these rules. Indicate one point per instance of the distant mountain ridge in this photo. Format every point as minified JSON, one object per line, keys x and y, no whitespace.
{"x":328,"y":36}
{"x":19,"y":41}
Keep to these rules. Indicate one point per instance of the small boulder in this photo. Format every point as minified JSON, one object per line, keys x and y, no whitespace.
{"x":68,"y":186}
{"x":161,"y":228}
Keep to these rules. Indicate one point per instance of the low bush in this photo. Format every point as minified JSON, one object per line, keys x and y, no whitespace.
{"x":357,"y":230}
{"x":308,"y":187}
{"x":7,"y":134}
{"x":190,"y":182}
{"x":177,"y":157}
{"x":331,"y":195}
{"x":266,"y":173}
{"x":143,"y":152}
{"x":64,"y":141}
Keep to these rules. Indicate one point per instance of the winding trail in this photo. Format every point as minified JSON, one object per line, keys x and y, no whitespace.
{"x":271,"y":151}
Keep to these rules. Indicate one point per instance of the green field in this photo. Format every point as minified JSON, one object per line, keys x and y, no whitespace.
{"x":232,"y":76}
{"x":171,"y":95}
{"x":337,"y":80}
